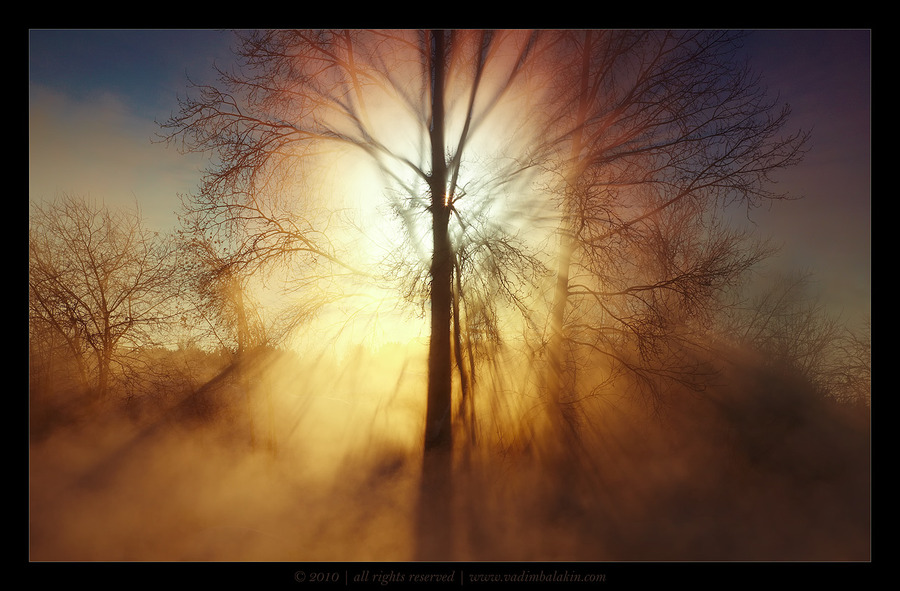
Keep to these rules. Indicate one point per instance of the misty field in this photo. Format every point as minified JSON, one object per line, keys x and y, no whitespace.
{"x":322,"y":462}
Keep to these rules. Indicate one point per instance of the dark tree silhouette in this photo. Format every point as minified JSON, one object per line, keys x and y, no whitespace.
{"x":638,"y":139}
{"x":300,"y":94}
{"x":101,"y":286}
{"x":414,"y":102}
{"x":654,"y":133}
{"x":785,"y":322}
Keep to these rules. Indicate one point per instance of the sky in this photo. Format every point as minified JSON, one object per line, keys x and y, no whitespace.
{"x":95,"y":97}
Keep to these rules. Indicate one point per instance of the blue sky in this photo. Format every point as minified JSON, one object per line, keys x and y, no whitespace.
{"x":94,"y":97}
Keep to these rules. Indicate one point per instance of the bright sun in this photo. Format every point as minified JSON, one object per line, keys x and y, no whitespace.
{"x":386,"y":202}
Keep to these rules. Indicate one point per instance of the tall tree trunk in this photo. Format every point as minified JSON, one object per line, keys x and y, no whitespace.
{"x":103,"y":388}
{"x":466,"y":410}
{"x":435,"y":535}
{"x":438,"y":431}
{"x":558,"y":381}
{"x":242,"y":362}
{"x":104,"y":361}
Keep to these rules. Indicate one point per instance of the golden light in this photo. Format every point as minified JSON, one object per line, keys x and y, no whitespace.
{"x":377,"y":180}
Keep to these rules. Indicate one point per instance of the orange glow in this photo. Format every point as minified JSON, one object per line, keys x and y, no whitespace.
{"x":307,"y":444}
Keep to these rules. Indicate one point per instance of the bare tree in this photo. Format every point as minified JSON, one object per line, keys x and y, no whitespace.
{"x":300,"y":97}
{"x":413,"y":104}
{"x":100,"y":285}
{"x":654,"y":132}
{"x":641,"y":138}
{"x":222,"y":312}
{"x":851,"y":380}
{"x":225,"y":314}
{"x":786,"y":323}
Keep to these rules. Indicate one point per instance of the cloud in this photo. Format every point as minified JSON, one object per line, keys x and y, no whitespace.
{"x":98,"y":146}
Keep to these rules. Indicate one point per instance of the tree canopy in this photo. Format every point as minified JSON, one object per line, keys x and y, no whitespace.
{"x":579,"y":176}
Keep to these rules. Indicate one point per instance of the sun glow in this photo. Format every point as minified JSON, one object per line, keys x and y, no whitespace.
{"x":379,"y":183}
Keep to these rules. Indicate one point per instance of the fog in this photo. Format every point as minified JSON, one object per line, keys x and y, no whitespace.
{"x":320,"y":459}
{"x":448,"y":296}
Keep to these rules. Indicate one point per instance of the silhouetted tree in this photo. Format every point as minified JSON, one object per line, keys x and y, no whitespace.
{"x":852,"y":379}
{"x":412,"y":101}
{"x":785,"y":322}
{"x":101,"y":285}
{"x":222,"y":312}
{"x":226,"y":314}
{"x":653,"y":133}
{"x":641,"y":137}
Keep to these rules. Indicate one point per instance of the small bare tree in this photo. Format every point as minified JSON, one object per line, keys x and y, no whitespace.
{"x":787,"y":324}
{"x":101,"y":285}
{"x":852,"y":379}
